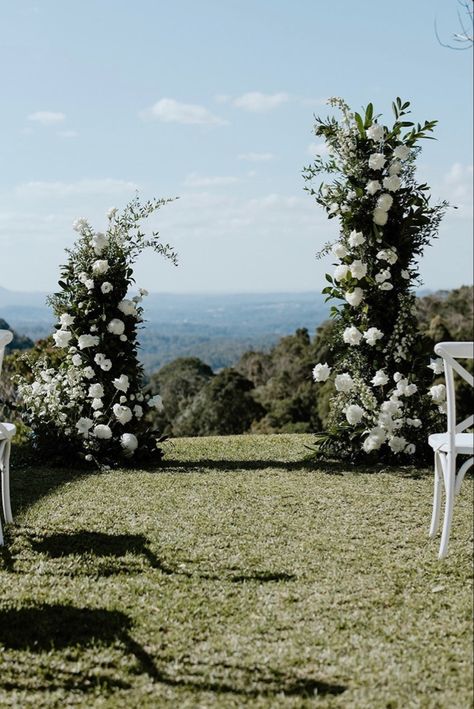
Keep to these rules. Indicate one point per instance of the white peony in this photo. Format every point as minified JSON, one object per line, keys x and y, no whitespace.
{"x":373,"y":187}
{"x":116,"y":326}
{"x":372,"y":335}
{"x":354,"y":414}
{"x":84,"y":425}
{"x":379,"y":217}
{"x":121,"y":383}
{"x":392,"y":183}
{"x":437,"y":365}
{"x":340,"y":272}
{"x":411,"y":389}
{"x":397,"y":443}
{"x":394,"y":168}
{"x":127,"y":307}
{"x":344,"y":382}
{"x":380,"y":378}
{"x":352,"y":336}
{"x":339,"y":250}
{"x":122,"y":413}
{"x":438,"y":393}
{"x":86,"y":341}
{"x":156,"y":402}
{"x":102,"y":431}
{"x":62,"y":338}
{"x":375,"y":132}
{"x":401,"y":152}
{"x":66,"y":320}
{"x":384,"y":202}
{"x":358,"y":269}
{"x":100,"y":267}
{"x":129,"y":443}
{"x":376,"y":161}
{"x":106,"y":287}
{"x":96,"y":391}
{"x":321,"y":372}
{"x":355,"y":297}
{"x":356,"y":238}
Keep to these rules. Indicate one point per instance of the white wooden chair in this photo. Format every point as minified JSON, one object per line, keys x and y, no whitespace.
{"x":447,"y":446}
{"x":7,"y":431}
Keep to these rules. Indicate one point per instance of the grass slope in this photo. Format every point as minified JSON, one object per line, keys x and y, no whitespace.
{"x":240,"y":575}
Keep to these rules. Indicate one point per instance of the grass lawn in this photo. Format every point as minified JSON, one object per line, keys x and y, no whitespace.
{"x":239,"y":575}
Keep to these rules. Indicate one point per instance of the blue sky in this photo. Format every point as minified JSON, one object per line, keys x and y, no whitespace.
{"x":213,"y":100}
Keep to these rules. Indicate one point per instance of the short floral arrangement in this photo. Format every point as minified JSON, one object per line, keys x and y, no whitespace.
{"x":88,"y":401}
{"x":381,"y":406}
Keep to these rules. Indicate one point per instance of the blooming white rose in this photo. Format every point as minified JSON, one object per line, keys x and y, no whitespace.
{"x":395,"y":168}
{"x":321,"y":372}
{"x":379,"y":217}
{"x":376,"y":161}
{"x":116,"y":326}
{"x":82,"y":277}
{"x":156,"y":402}
{"x":102,"y":431}
{"x":106,"y":287}
{"x":76,"y":360}
{"x":88,"y":372}
{"x":89,"y":284}
{"x":384,"y":202}
{"x":84,"y":425}
{"x":122,"y":413}
{"x":99,"y":358}
{"x":106,"y":365}
{"x":397,"y":377}
{"x":438,"y":393}
{"x":333,"y":208}
{"x":437,"y":365}
{"x":386,"y":286}
{"x":66,"y":320}
{"x":62,"y":338}
{"x":374,"y":440}
{"x":391,"y":407}
{"x":340,"y":272}
{"x":127,"y":307}
{"x":410,"y":449}
{"x":397,"y":443}
{"x":410,"y":389}
{"x":383,"y":275}
{"x":358,"y":269}
{"x":100,"y":267}
{"x":388,"y":255}
{"x":96,"y":391}
{"x":129,"y":443}
{"x":392,"y":183}
{"x":352,"y":336}
{"x":380,"y":378}
{"x":372,"y":335}
{"x":355,"y":297}
{"x":339,"y":250}
{"x":97,"y":404}
{"x":121,"y":383}
{"x":375,"y":132}
{"x":401,"y":152}
{"x":344,"y":382}
{"x":356,"y":238}
{"x":99,"y":242}
{"x":86,"y":341}
{"x":405,"y":274}
{"x":354,"y":414}
{"x":373,"y":187}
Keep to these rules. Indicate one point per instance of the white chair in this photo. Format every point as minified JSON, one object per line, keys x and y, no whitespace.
{"x":7,"y":431}
{"x":447,"y":446}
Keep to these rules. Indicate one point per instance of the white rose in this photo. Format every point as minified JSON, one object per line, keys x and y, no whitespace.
{"x":386,"y":286}
{"x":106,"y":287}
{"x":339,"y":250}
{"x":397,"y":377}
{"x":127,"y":307}
{"x":438,"y":393}
{"x":356,"y":238}
{"x":410,"y":449}
{"x":89,"y":284}
{"x":66,"y":320}
{"x":395,"y":168}
{"x":355,"y":297}
{"x":380,"y":378}
{"x":376,"y":161}
{"x":77,"y":360}
{"x":344,"y":382}
{"x":372,"y":335}
{"x":374,"y":440}
{"x":88,"y":372}
{"x":96,"y":391}
{"x":354,"y":414}
{"x":384,"y":202}
{"x":102,"y":431}
{"x":405,"y":274}
{"x":83,"y":426}
{"x":86,"y":341}
{"x":106,"y":365}
{"x":121,"y":383}
{"x":388,"y":255}
{"x":380,"y":217}
{"x":129,"y":443}
{"x":392,"y":183}
{"x":122,"y":413}
{"x":373,"y":186}
{"x":397,"y":443}
{"x":97,"y":404}
{"x":340,"y":272}
{"x":383,"y":275}
{"x":401,"y":152}
{"x":99,"y":242}
{"x":437,"y":365}
{"x":411,"y":389}
{"x":358,"y":269}
{"x":391,"y":407}
{"x":62,"y":337}
{"x":100,"y":267}
{"x":375,"y":132}
{"x":321,"y":372}
{"x":352,"y":336}
{"x":116,"y":326}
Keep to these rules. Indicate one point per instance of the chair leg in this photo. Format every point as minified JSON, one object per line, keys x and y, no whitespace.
{"x":7,"y":510}
{"x":438,"y":474}
{"x":1,"y":534}
{"x":449,"y":482}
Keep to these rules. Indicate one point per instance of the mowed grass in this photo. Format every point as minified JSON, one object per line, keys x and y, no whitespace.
{"x":241,"y":574}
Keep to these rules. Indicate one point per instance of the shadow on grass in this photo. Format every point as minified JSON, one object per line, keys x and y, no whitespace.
{"x":45,"y":628}
{"x":32,"y":483}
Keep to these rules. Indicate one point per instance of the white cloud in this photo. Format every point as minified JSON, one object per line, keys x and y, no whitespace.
{"x":107,"y":186}
{"x":47,"y":118}
{"x":257,"y":102}
{"x":195,"y":180}
{"x":315,"y":149}
{"x":167,"y":110}
{"x":256,"y":157}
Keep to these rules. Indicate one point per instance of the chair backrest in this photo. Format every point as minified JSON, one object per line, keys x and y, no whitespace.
{"x":450,"y":353}
{"x":5,"y":338}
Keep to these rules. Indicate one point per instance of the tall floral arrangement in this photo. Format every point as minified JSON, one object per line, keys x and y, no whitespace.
{"x":85,"y":397}
{"x":381,"y":406}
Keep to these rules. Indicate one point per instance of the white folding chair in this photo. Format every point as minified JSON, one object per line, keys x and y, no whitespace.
{"x":7,"y":431}
{"x":447,"y":446}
